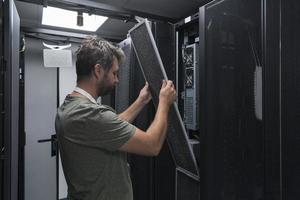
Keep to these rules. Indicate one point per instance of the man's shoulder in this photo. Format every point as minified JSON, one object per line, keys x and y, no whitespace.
{"x":84,"y":109}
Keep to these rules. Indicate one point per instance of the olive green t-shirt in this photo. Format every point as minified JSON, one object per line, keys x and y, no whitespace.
{"x":89,"y":136}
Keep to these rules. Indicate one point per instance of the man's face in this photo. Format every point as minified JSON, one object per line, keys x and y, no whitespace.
{"x":109,"y":80}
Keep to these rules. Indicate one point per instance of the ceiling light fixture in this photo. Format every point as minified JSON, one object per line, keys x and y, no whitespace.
{"x":71,"y":19}
{"x":80,"y":19}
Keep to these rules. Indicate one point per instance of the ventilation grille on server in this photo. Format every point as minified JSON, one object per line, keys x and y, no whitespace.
{"x":188,"y":110}
{"x":153,"y":70}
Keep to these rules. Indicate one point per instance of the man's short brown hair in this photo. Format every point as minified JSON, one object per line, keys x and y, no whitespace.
{"x":95,"y":50}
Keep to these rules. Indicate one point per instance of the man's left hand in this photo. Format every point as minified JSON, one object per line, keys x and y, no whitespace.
{"x":145,"y":95}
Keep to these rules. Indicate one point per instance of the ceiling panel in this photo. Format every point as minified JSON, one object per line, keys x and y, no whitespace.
{"x":117,"y":28}
{"x":31,"y":14}
{"x":168,"y":8}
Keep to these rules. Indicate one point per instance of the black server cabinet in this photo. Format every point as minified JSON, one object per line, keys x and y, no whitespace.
{"x":187,"y":85}
{"x":231,"y":121}
{"x":164,"y":166}
{"x":153,"y":178}
{"x":249,"y":82}
{"x":290,"y":96}
{"x":271,"y":28}
{"x":10,"y":29}
{"x":131,"y":81}
{"x":1,"y":103}
{"x":281,"y":99}
{"x":22,"y":136}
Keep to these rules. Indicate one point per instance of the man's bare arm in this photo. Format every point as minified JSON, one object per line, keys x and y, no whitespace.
{"x":134,"y":109}
{"x":151,"y":141}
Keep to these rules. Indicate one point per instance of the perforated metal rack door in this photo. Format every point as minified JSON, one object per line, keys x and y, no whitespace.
{"x":123,"y":88}
{"x":154,"y":72}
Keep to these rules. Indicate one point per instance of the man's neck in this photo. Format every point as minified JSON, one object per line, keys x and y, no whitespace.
{"x":87,"y":87}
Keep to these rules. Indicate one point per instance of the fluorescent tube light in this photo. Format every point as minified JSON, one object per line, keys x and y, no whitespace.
{"x":68,"y":19}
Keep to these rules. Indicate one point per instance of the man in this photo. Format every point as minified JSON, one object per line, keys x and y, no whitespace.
{"x":93,"y":139}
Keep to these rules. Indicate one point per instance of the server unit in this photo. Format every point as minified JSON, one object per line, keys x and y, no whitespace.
{"x":187,"y":68}
{"x":190,"y":95}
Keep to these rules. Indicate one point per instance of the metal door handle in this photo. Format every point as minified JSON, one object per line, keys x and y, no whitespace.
{"x":44,"y":140}
{"x":54,"y":145}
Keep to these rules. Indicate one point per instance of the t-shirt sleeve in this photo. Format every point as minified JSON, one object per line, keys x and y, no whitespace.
{"x":104,"y":129}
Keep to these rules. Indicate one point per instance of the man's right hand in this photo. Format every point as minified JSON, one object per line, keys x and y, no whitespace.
{"x":167,"y":93}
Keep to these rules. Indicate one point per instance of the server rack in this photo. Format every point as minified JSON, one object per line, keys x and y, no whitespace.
{"x":290,"y":98}
{"x":10,"y":105}
{"x":2,"y":180}
{"x":187,"y":85}
{"x":271,"y":23}
{"x":151,"y":177}
{"x":22,"y":136}
{"x":164,"y":165}
{"x":231,"y":130}
{"x":130,"y":83}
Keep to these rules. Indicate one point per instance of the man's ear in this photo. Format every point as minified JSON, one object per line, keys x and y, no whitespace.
{"x":98,"y":70}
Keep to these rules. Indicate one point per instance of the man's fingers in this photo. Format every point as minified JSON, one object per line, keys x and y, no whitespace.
{"x":170,"y":84}
{"x":164,"y":83}
{"x":146,"y":86}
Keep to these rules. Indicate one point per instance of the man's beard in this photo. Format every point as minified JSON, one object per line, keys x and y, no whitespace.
{"x":104,"y":88}
{"x":107,"y":90}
